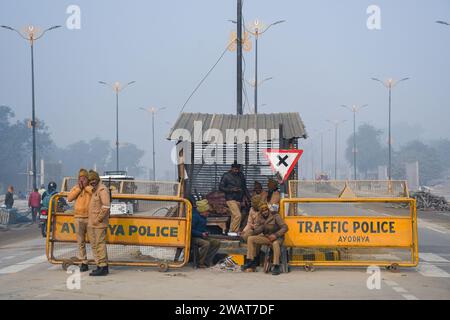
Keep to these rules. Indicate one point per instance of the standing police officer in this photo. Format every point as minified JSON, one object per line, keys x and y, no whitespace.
{"x":82,"y":194}
{"x":99,"y":208}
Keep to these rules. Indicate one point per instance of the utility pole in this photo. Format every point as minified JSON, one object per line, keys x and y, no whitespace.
{"x":153,"y":110}
{"x":239,"y":58}
{"x":354,"y":109}
{"x":336,"y":124}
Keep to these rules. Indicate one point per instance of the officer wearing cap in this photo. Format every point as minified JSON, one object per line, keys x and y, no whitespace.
{"x":207,"y":247}
{"x":82,"y":194}
{"x":99,"y":208}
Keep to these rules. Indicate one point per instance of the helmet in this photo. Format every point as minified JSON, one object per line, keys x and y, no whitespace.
{"x":51,"y":186}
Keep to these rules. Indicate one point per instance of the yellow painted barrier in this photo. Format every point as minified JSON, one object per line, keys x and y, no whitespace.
{"x":155,"y":234}
{"x":382,"y":238}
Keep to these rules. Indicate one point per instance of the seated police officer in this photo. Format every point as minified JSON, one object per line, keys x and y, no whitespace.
{"x":270,"y":232}
{"x":207,"y":247}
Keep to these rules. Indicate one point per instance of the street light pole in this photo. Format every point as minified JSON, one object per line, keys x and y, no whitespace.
{"x":255,"y":84}
{"x":117,"y":88}
{"x":257,"y":29}
{"x":336,"y":124}
{"x":153,"y":110}
{"x":354,"y":109}
{"x":389,"y":84}
{"x":32,"y":34}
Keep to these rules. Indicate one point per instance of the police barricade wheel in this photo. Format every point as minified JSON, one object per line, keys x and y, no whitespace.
{"x":163,"y":267}
{"x":393,"y":268}
{"x":309,"y":267}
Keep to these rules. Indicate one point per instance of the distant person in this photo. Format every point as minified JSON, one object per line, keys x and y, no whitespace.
{"x":273,"y":195}
{"x":34,"y":203}
{"x":9,"y":198}
{"x":42,"y":190}
{"x":271,"y":232}
{"x":207,"y":247}
{"x":99,"y":210}
{"x":258,"y":190}
{"x":51,"y":190}
{"x":82,"y":194}
{"x":234,"y":186}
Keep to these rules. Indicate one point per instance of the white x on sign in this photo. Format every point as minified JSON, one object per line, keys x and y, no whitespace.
{"x":283,"y":161}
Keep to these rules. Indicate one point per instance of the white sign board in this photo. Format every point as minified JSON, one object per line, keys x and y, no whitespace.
{"x":283,"y":161}
{"x":118,"y":208}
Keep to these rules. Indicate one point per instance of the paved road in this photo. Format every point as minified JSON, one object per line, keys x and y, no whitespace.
{"x":25,"y":274}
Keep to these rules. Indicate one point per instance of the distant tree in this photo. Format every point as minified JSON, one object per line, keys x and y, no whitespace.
{"x":130,"y":159}
{"x":442,"y":147}
{"x":370,"y":152}
{"x":430,"y":166}
{"x":82,"y":154}
{"x":16,"y":147}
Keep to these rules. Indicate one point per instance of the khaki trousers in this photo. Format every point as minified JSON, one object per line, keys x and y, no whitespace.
{"x":235,"y":208}
{"x":97,"y":238}
{"x":255,"y":242}
{"x":81,"y":227}
{"x":207,"y":249}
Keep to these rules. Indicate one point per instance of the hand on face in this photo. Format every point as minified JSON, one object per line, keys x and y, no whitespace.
{"x":83,"y":182}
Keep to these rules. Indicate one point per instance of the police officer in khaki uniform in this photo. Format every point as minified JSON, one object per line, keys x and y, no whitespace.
{"x":82,"y":194}
{"x":99,"y":208}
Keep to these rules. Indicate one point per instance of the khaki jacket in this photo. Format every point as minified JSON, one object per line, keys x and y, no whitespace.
{"x":273,"y":224}
{"x":254,"y":220}
{"x":82,"y":199}
{"x":99,"y":207}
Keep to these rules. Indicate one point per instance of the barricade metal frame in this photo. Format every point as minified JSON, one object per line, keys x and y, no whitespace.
{"x":184,"y":204}
{"x":353,"y":185}
{"x":412,"y":217}
{"x":65,"y":189}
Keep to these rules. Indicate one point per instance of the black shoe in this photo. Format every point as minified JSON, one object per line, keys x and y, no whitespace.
{"x":94,"y":272}
{"x":276,"y":270}
{"x":250,"y":264}
{"x":100,"y":271}
{"x":84,"y":267}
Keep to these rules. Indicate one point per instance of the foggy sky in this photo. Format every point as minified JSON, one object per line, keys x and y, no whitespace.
{"x":321,"y":58}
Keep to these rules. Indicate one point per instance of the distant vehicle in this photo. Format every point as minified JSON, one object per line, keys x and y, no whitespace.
{"x":322,"y":177}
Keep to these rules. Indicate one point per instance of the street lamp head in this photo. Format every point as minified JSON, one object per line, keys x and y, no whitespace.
{"x":278,"y":22}
{"x":7,"y":27}
{"x":53,"y":28}
{"x":443,"y":22}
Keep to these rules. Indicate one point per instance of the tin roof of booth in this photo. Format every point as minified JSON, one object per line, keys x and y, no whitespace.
{"x":293,"y":126}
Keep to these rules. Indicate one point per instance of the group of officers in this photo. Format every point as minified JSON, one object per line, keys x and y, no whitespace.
{"x":91,"y":213}
{"x":264,"y":225}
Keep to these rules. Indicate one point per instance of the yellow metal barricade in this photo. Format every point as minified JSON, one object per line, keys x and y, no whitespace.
{"x":360,"y":188}
{"x":351,"y":232}
{"x":144,"y":230}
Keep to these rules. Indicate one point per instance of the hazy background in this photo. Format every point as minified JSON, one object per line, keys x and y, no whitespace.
{"x":322,"y":57}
